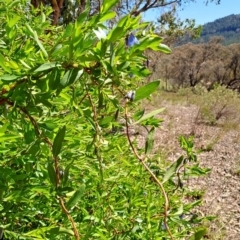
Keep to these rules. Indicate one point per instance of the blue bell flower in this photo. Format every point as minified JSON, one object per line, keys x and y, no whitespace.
{"x":132,"y":40}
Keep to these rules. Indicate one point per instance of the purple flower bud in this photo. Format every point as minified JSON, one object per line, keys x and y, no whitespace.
{"x":181,"y":216}
{"x":164,"y":226}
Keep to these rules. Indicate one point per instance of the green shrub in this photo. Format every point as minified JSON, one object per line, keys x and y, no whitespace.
{"x":64,"y":173}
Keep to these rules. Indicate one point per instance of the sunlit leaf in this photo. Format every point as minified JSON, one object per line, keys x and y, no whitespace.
{"x":107,"y":5}
{"x":172,"y":169}
{"x":75,"y":197}
{"x":150,"y":141}
{"x":8,"y":77}
{"x":51,"y":173}
{"x":47,"y":66}
{"x":198,"y":235}
{"x":70,"y":77}
{"x":149,"y":115}
{"x":58,"y":140}
{"x":147,"y":90}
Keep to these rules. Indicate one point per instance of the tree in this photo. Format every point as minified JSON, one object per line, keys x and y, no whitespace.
{"x":207,"y":64}
{"x":63,"y":8}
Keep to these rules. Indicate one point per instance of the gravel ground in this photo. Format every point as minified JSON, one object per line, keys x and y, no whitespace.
{"x":222,"y":185}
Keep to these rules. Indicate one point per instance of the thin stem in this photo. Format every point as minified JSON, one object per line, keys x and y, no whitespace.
{"x":141,"y":160}
{"x":76,"y":234}
{"x":56,"y":160}
{"x":97,"y":133}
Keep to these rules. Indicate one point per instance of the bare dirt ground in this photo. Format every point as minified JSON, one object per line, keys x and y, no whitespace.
{"x":222,"y":185}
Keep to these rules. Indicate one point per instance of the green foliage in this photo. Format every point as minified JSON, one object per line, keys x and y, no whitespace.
{"x":64,"y":173}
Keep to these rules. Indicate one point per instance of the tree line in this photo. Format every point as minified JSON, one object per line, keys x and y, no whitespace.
{"x":207,"y":64}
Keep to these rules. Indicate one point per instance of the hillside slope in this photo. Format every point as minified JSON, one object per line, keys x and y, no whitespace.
{"x":227,"y":27}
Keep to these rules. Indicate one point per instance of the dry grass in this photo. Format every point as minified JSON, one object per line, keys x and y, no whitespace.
{"x":218,"y":141}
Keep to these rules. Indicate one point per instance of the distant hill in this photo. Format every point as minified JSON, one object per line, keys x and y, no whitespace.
{"x":227,"y":27}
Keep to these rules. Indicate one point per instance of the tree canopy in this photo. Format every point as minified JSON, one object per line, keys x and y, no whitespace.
{"x":70,"y":10}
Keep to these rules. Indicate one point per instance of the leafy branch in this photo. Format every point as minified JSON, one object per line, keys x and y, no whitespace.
{"x":142,"y":161}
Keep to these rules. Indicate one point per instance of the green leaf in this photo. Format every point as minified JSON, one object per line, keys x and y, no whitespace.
{"x":11,"y":22}
{"x":199,"y":234}
{"x":138,"y":114}
{"x":71,"y":76}
{"x":106,"y":120}
{"x":107,"y":16}
{"x":8,"y":137}
{"x":75,"y":197}
{"x":51,"y":173}
{"x":47,"y":66}
{"x":172,"y":169}
{"x":147,"y":90}
{"x":66,"y":173}
{"x":8,"y":77}
{"x":163,"y":48}
{"x":107,"y":5}
{"x":100,"y":33}
{"x":57,"y":143}
{"x":149,"y":115}
{"x":58,"y":230}
{"x":2,"y":64}
{"x":53,"y":230}
{"x":35,"y":36}
{"x":116,"y":33}
{"x":150,"y":141}
{"x":178,"y":213}
{"x":54,"y":79}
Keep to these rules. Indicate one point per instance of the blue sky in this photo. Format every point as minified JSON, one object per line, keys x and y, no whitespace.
{"x":202,"y":13}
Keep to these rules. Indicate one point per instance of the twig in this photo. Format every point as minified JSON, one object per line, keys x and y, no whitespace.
{"x":61,"y":202}
{"x":76,"y":234}
{"x":141,"y":160}
{"x":97,"y":133}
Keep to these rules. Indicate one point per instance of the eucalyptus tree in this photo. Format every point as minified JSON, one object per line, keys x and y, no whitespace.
{"x":68,"y":10}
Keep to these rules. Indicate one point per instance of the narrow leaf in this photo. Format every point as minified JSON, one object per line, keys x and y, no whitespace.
{"x":147,"y":90}
{"x":51,"y":173}
{"x":35,"y":36}
{"x":116,"y":33}
{"x":107,"y":16}
{"x":66,"y":173}
{"x":71,"y":76}
{"x":172,"y":169}
{"x":107,"y":5}
{"x":8,"y":77}
{"x":47,"y":66}
{"x":57,"y":143}
{"x":179,"y":211}
{"x":149,"y":115}
{"x":100,"y":33}
{"x":8,"y":137}
{"x":54,"y":79}
{"x":199,"y":234}
{"x":75,"y":197}
{"x":150,"y":141}
{"x":59,"y":230}
{"x":163,"y":48}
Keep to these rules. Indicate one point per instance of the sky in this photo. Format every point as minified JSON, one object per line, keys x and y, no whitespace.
{"x":202,"y":13}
